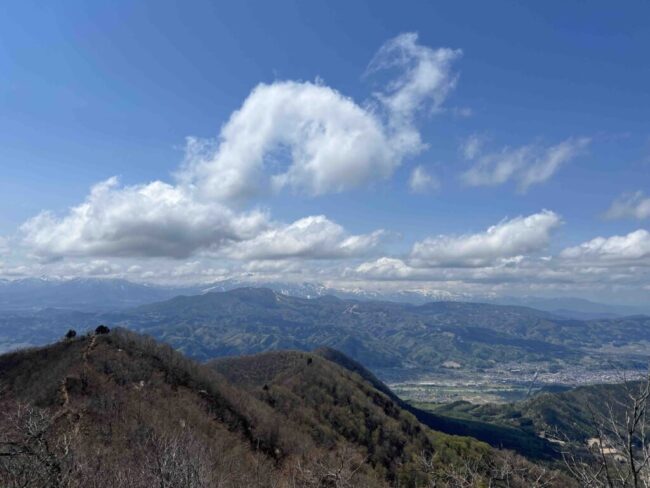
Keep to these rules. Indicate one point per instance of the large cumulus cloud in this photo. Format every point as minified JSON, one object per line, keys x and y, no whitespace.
{"x":301,"y":136}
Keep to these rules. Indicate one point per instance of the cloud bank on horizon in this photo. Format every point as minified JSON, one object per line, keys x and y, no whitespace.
{"x":309,"y":139}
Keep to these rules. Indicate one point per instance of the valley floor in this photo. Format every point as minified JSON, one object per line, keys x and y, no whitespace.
{"x":506,"y":383}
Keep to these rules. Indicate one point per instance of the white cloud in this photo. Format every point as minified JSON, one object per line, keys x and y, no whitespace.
{"x":280,"y":267}
{"x":496,"y":168}
{"x":631,"y":205}
{"x":528,"y":165}
{"x":4,"y":246}
{"x":310,"y":138}
{"x":425,"y":82}
{"x":421,"y":181}
{"x":508,"y":239}
{"x":472,"y":146}
{"x":387,"y":268}
{"x":461,"y":112}
{"x":633,"y":247}
{"x":313,"y":237}
{"x":156,"y":219}
{"x":518,"y":269}
{"x":160,"y":220}
{"x":94,"y":267}
{"x":553,"y":157}
{"x":516,"y":276}
{"x":304,"y":136}
{"x":19,"y":271}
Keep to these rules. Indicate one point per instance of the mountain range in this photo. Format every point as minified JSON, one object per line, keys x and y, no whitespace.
{"x":82,"y":294}
{"x":400,"y":337}
{"x":103,"y":294}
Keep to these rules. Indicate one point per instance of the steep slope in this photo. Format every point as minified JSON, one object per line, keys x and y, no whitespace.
{"x":122,"y":410}
{"x":304,"y":386}
{"x":334,"y":404}
{"x":528,"y":444}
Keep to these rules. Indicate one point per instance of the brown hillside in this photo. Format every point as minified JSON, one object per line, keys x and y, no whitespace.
{"x":122,"y":410}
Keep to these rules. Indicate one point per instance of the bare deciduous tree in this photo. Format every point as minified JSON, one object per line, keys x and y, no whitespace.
{"x":505,"y":469}
{"x":619,"y":455}
{"x":336,"y":469}
{"x":29,"y":455}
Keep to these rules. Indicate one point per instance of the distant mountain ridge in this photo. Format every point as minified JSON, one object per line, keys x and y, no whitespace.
{"x":380,"y":334}
{"x":384,"y":336}
{"x":571,"y":307}
{"x":83,"y":294}
{"x":108,"y":294}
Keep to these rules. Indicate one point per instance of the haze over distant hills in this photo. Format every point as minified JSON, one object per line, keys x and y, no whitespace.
{"x":82,"y":294}
{"x":572,"y":307}
{"x":98,"y":294}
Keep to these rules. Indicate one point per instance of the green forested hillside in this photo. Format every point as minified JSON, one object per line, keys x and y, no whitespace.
{"x":498,"y":435}
{"x":566,"y":415}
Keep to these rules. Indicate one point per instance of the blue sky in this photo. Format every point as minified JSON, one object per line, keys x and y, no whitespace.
{"x":549,"y":99}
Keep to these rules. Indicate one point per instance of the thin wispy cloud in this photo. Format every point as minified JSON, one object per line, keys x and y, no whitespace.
{"x":424,"y":82}
{"x":472,"y":146}
{"x":527,"y":165}
{"x":4,"y":246}
{"x":630,"y":206}
{"x":422,"y":181}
